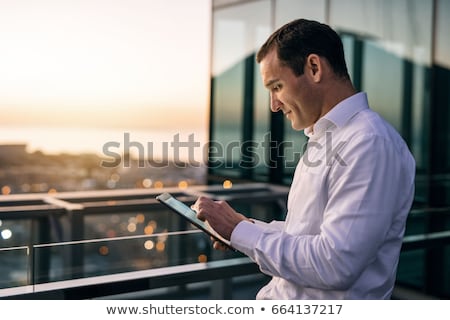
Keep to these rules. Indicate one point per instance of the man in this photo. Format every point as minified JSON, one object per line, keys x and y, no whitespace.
{"x":352,"y":189}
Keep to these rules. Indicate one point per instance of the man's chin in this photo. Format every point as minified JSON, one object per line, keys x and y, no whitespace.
{"x":297,"y":127}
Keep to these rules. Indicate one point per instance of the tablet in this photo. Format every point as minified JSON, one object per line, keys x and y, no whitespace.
{"x":189,"y":214}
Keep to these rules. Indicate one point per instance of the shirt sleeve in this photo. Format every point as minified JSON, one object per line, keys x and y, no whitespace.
{"x":273,"y":225}
{"x":246,"y":233}
{"x":365,"y":198}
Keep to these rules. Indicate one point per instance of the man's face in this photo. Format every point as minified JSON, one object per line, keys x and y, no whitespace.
{"x":295,"y":96}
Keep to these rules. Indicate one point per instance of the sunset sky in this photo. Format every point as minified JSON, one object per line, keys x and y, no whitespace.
{"x":124,"y":64}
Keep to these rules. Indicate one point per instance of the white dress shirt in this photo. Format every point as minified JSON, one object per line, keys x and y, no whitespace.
{"x":347,"y":208}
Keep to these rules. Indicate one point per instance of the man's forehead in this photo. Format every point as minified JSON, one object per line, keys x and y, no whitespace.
{"x":269,"y":66}
{"x":271,"y":57}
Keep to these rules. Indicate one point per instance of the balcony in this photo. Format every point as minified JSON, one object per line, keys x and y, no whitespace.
{"x":107,"y":243}
{"x":124,"y":244}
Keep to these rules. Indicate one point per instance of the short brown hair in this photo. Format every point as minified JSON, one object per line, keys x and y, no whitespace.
{"x":296,"y":40}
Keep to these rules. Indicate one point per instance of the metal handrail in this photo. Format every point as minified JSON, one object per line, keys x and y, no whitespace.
{"x":94,"y":287}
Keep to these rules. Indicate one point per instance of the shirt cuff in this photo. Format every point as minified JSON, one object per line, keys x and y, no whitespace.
{"x":245,"y":236}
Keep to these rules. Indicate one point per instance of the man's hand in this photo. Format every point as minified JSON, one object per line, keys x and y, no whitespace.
{"x":219,"y":215}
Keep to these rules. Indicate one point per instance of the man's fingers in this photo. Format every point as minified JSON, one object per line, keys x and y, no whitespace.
{"x":203,"y":206}
{"x":219,"y":246}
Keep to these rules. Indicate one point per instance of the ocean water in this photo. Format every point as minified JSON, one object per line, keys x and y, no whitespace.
{"x":177,"y":144}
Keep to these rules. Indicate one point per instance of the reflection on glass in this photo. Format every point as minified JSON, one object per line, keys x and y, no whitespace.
{"x":237,"y":33}
{"x":287,"y":10}
{"x":88,"y":258}
{"x":14,"y":267}
{"x":384,"y":96}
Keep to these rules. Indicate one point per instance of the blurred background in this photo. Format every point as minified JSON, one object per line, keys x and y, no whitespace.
{"x":76,"y":75}
{"x":105,"y":104}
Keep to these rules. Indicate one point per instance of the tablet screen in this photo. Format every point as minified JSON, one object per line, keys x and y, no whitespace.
{"x":189,"y":214}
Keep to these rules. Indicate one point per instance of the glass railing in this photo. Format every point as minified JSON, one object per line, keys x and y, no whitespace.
{"x":124,"y":240}
{"x":96,"y":239}
{"x":98,"y":257}
{"x":15,"y":270}
{"x":425,"y":257}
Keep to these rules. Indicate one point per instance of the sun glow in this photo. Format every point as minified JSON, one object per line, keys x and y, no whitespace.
{"x":104,"y":63}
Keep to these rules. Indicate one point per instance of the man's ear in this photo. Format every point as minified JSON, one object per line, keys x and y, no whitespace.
{"x":314,"y":67}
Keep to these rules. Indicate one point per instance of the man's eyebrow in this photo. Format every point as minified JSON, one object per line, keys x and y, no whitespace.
{"x":271,"y":82}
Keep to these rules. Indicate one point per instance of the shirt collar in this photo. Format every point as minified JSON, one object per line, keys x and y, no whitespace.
{"x":339,"y":115}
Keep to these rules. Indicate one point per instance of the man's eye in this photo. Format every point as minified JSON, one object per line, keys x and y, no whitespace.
{"x":276,"y":87}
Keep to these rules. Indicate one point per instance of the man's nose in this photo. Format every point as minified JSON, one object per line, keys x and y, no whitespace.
{"x":275,"y":104}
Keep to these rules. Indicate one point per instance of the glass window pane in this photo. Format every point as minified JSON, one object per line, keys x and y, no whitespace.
{"x":238,"y":31}
{"x":287,"y":10}
{"x":14,"y":269}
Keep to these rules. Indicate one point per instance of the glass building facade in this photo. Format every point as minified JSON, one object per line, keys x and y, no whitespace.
{"x":397,"y":51}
